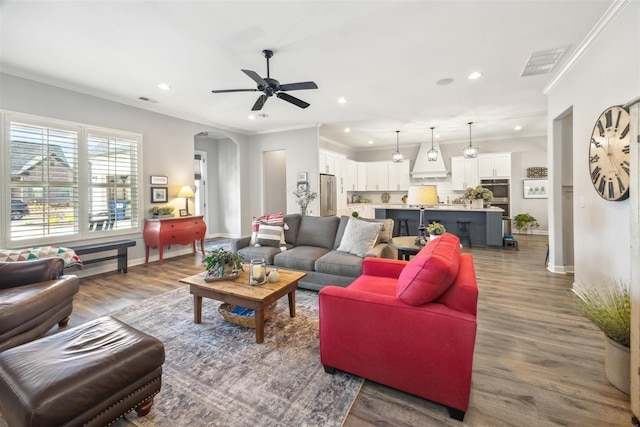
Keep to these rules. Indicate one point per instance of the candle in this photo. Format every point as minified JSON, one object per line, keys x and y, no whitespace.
{"x":257,"y":271}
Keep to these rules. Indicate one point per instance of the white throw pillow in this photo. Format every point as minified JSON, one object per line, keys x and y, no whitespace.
{"x":269,"y":235}
{"x":359,"y":236}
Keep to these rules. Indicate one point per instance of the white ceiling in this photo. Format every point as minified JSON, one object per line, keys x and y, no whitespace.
{"x":383,"y":56}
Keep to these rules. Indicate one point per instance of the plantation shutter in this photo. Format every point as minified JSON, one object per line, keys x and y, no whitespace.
{"x":113,"y":199}
{"x":43,"y":180}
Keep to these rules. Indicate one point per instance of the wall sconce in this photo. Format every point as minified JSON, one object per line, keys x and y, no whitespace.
{"x":187,"y":193}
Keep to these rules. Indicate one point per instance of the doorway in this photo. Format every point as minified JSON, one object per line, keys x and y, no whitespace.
{"x":561,"y":248}
{"x":200,"y":179}
{"x":274,"y":167}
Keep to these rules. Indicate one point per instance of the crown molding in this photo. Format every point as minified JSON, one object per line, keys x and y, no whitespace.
{"x":598,"y":30}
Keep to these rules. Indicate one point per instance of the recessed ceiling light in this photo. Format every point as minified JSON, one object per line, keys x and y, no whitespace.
{"x":347,"y":130}
{"x":518,"y":127}
{"x":475,"y":75}
{"x":444,"y":82}
{"x":164,"y":86}
{"x":370,"y":142}
{"x":437,"y":136}
{"x":252,"y":117}
{"x":342,"y":100}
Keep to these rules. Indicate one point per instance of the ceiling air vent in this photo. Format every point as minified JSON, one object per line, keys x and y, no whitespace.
{"x":543,"y":61}
{"x":145,"y":99}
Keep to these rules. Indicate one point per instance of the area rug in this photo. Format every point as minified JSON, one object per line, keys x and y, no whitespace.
{"x":216,"y":374}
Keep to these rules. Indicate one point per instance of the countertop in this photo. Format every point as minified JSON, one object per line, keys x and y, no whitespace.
{"x":442,"y":207}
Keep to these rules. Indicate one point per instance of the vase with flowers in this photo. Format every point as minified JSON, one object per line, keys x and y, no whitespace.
{"x":435,"y":230}
{"x":478,"y":196}
{"x":303,"y":197}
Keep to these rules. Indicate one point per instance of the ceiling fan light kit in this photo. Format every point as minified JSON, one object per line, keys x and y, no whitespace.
{"x":270,"y":87}
{"x":470,"y":152}
{"x":397,"y":157}
{"x":432,"y":155}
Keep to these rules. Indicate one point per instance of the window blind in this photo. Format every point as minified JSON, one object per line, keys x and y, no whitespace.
{"x":43,"y":181}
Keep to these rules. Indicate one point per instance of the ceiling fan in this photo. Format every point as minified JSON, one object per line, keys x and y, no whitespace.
{"x":271,"y":87}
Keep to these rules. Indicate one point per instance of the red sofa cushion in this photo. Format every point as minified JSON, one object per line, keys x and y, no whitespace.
{"x":430,"y":273}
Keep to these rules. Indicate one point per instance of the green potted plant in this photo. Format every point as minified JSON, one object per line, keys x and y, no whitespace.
{"x":222,"y":264}
{"x":162,"y":211}
{"x":609,"y":308}
{"x":435,"y":230}
{"x":524,"y":222}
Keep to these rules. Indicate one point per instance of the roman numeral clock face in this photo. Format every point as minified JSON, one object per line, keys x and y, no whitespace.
{"x":609,"y":156}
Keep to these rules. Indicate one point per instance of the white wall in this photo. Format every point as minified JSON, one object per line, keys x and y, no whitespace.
{"x":168,"y":142}
{"x":607,"y":74}
{"x":302,"y":156}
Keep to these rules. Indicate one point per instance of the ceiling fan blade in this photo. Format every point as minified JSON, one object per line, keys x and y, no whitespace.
{"x":298,"y":86}
{"x":234,"y":90}
{"x":256,"y":78}
{"x":259,"y":103}
{"x":295,"y":101}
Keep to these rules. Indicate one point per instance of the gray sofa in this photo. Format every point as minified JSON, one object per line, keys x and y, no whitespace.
{"x":311,"y":247}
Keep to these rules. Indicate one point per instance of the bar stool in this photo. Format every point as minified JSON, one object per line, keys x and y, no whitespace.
{"x":403,"y":223}
{"x":464,"y":231}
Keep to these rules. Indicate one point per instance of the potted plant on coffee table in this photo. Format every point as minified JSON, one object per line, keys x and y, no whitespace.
{"x":609,"y":308}
{"x":435,"y":230}
{"x":222,"y":264}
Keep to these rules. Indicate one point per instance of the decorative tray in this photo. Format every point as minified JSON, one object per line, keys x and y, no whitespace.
{"x":208,"y":278}
{"x":248,"y":320}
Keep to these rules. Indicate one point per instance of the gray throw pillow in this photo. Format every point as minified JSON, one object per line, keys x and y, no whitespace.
{"x":359,"y":237}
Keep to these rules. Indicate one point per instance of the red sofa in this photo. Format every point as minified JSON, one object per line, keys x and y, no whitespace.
{"x":408,"y":325}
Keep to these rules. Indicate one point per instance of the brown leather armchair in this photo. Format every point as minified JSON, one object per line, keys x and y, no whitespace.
{"x":34,"y":296}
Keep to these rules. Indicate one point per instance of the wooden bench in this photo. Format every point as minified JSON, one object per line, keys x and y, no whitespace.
{"x":120,"y":246}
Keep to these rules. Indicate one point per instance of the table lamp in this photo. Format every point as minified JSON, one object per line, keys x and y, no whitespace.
{"x":186,"y":192}
{"x":422,"y":196}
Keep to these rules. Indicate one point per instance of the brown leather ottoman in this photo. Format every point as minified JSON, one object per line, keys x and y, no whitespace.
{"x":88,"y":375}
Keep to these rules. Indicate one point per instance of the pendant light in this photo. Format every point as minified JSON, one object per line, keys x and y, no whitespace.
{"x":397,"y":157}
{"x":432,"y":155}
{"x":470,"y":152}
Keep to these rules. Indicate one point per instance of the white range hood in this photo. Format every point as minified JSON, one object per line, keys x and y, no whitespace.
{"x":423,"y":168}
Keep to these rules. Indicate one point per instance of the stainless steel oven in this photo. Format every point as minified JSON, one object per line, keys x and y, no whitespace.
{"x":500,"y":190}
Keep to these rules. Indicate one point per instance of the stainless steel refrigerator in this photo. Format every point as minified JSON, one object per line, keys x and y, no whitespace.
{"x":328,"y":195}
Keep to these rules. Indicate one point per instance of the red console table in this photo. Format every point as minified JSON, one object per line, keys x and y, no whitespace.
{"x":159,"y":233}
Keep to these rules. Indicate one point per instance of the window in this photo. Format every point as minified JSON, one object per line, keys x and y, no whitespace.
{"x":113,"y":178}
{"x":68,"y":182}
{"x":43,"y":181}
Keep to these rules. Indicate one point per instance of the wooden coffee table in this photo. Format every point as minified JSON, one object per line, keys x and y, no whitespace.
{"x":239,"y":292}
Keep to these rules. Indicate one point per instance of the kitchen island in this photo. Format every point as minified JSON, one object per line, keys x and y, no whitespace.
{"x":485,"y":223}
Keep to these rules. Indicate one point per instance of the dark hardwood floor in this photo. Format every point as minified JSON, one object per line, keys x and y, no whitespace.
{"x":538,"y":361}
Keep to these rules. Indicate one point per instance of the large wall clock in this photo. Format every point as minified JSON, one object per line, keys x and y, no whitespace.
{"x":609,"y":156}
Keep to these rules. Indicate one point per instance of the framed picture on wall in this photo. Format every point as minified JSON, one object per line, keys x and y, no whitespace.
{"x":159,"y":195}
{"x":159,"y":180}
{"x":535,"y":188}
{"x":303,"y":176}
{"x":303,"y":186}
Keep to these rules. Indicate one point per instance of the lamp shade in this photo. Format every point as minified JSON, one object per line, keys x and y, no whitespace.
{"x":422,"y":195}
{"x":186,"y":192}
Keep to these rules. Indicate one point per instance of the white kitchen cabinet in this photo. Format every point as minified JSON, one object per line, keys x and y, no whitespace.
{"x":326,"y":163}
{"x":464,"y":173}
{"x":362,"y":177}
{"x":377,"y":176}
{"x":352,"y":175}
{"x":494,"y":165}
{"x":399,"y":176}
{"x":367,"y":211}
